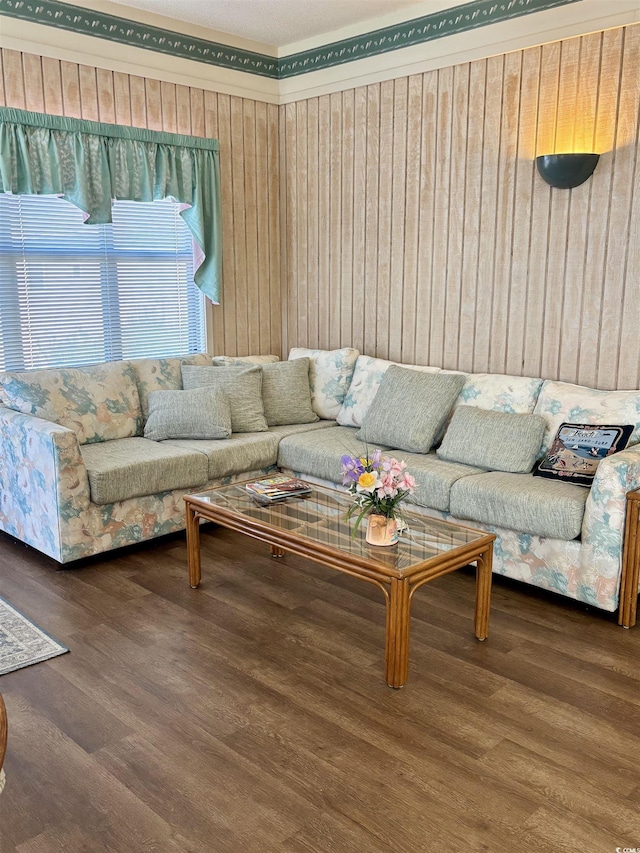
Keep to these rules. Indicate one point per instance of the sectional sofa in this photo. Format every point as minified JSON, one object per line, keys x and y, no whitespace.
{"x":87,"y":464}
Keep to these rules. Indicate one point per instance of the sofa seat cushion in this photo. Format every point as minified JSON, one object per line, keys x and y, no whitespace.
{"x":240,"y":452}
{"x":99,"y":402}
{"x":318,"y":453}
{"x":521,"y":502}
{"x":133,"y":467}
{"x":283,"y":430}
{"x":434,"y":478}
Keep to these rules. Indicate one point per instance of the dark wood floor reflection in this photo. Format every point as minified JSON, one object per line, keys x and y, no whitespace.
{"x":251,"y":715}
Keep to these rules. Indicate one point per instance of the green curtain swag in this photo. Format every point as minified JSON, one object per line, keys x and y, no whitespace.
{"x":89,"y":164}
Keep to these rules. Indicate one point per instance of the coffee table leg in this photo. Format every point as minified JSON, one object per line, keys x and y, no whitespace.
{"x":483,"y":593}
{"x":397,"y":642}
{"x":193,"y":546}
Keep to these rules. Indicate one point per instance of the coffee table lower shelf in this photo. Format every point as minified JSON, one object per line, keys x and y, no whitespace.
{"x":398,"y":586}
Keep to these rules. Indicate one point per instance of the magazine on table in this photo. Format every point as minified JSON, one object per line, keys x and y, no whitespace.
{"x":278,"y":488}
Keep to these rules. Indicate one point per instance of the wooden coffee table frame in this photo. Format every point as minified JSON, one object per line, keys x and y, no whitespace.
{"x":398,"y":585}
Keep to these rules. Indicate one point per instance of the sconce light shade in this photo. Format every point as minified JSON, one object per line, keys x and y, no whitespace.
{"x":566,"y":171}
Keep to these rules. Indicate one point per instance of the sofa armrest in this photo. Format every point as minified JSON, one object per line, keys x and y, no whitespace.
{"x":43,"y":480}
{"x":605,"y":515}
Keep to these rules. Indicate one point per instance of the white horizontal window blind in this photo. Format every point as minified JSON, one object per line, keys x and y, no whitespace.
{"x":74,"y":294}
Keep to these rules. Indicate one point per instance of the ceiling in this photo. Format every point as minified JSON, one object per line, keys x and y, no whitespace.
{"x":281,"y":22}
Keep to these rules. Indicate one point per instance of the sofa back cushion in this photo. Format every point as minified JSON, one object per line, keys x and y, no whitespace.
{"x":231,"y":360}
{"x":367,"y":377}
{"x":162,"y":374}
{"x":497,"y":392}
{"x":410,"y":408}
{"x":286,"y":394}
{"x":494,"y":440}
{"x":330,"y":373}
{"x":243,"y":387}
{"x":99,"y":403}
{"x":562,"y":402}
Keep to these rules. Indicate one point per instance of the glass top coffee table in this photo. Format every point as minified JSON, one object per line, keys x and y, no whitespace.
{"x":314,"y":526}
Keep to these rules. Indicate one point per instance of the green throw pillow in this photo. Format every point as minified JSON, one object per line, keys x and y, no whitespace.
{"x":499,"y":441}
{"x":199,"y":413}
{"x":410,"y":408}
{"x":243,"y":387}
{"x":286,"y":393}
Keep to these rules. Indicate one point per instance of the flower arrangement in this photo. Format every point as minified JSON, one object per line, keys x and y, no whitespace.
{"x":378,"y":484}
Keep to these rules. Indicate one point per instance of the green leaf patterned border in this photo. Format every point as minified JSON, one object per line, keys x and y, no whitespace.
{"x":458,"y":19}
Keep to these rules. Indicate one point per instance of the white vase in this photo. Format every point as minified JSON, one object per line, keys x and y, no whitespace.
{"x":381,"y":530}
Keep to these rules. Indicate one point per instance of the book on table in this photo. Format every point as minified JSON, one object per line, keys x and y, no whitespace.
{"x":278,"y":488}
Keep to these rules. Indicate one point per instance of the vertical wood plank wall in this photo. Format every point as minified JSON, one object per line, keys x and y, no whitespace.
{"x":406,"y":218}
{"x":249,"y":317}
{"x":416,"y":228}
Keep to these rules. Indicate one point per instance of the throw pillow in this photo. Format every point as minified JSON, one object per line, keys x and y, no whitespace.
{"x":410,"y":408}
{"x":243,"y":386}
{"x":330,"y":373}
{"x":494,"y":440}
{"x":577,"y":450}
{"x":562,"y":402}
{"x":366,"y":380}
{"x":286,"y":394}
{"x":199,"y":413}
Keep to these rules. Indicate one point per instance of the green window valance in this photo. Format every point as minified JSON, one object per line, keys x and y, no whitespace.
{"x":89,"y":164}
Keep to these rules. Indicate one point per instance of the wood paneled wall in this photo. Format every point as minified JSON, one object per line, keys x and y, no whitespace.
{"x":406,"y":218}
{"x":415,"y":226}
{"x":249,"y":317}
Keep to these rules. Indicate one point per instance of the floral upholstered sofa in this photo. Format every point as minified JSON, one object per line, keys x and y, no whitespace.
{"x":78,"y":476}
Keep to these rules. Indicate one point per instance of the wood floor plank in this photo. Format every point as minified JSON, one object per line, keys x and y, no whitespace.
{"x":252,"y":714}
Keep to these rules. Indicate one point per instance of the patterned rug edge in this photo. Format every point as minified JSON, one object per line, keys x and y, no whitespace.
{"x":53,"y":647}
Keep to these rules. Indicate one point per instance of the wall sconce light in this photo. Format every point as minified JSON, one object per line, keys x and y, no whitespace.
{"x":566,"y":171}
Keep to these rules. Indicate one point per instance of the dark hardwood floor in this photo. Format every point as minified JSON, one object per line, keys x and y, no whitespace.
{"x":251,"y":715}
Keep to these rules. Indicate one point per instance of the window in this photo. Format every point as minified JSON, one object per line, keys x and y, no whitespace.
{"x":74,"y":294}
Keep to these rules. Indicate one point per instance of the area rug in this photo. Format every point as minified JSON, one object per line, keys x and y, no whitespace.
{"x":21,"y":642}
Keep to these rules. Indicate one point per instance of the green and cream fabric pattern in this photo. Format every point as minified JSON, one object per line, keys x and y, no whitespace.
{"x":330,"y":374}
{"x":98,"y":403}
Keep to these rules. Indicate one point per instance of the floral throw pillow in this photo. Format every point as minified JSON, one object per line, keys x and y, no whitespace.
{"x":577,"y":450}
{"x":330,"y":373}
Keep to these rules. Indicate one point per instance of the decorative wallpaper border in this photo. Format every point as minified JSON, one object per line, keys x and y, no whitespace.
{"x":458,"y":19}
{"x":86,"y":22}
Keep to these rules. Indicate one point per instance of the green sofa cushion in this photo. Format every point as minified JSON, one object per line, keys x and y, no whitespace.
{"x":521,"y":502}
{"x":244,"y":451}
{"x":243,"y":387}
{"x":493,"y":440}
{"x":410,"y":408}
{"x":286,"y":394}
{"x":199,"y":413}
{"x":133,"y":467}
